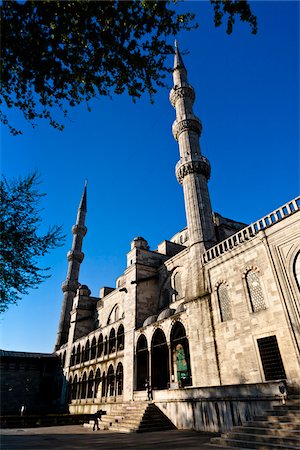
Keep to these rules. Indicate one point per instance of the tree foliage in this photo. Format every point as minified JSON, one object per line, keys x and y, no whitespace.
{"x":57,"y":54}
{"x":20,"y":245}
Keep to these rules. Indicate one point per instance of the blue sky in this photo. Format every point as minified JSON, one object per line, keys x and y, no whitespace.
{"x":247,"y":96}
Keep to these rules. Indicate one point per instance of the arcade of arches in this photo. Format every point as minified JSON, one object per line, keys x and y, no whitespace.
{"x":165,"y":363}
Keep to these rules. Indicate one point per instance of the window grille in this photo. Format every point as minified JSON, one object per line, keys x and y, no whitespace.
{"x":271,"y":358}
{"x":224,"y":303}
{"x":255,"y":291}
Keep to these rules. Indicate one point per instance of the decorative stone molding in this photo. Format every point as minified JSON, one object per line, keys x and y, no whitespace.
{"x":248,"y":269}
{"x":70,"y":286}
{"x":199,"y":166}
{"x":192,"y":124}
{"x":81,"y":230}
{"x":221,"y":282}
{"x":74,"y":255}
{"x":181,"y":92}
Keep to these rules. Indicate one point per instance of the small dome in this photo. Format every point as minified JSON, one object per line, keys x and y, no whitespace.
{"x":180,"y":308}
{"x":84,"y":290}
{"x":149,"y":320}
{"x":166,"y":313}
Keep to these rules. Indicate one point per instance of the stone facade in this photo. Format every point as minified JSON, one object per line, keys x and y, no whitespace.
{"x":211,"y":316}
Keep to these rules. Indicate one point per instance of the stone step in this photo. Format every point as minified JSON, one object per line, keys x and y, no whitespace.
{"x":272,"y":425}
{"x":249,"y":445}
{"x":267,"y":431}
{"x":277,"y":418}
{"x":262,"y":438}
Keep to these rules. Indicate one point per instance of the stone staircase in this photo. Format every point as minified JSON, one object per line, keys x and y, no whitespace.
{"x":277,"y":429}
{"x":134,"y":417}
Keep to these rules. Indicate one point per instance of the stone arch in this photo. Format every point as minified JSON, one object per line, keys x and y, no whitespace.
{"x":74,"y":388}
{"x":93,"y":348}
{"x":97,"y":382}
{"x":104,"y":383}
{"x":73,"y":356}
{"x":181,"y":366}
{"x":83,"y":386}
{"x":100,"y":346}
{"x":177,"y":285}
{"x":120,"y":337}
{"x":254,"y":289}
{"x":87,"y":351}
{"x":112,"y":341}
{"x":78,"y":354}
{"x":160,"y":374}
{"x":110,"y":381}
{"x":296,"y":269}
{"x":119,"y":379}
{"x":90,"y":385}
{"x":82,"y":354}
{"x":142,"y":362}
{"x":115,"y":312}
{"x":224,"y":302}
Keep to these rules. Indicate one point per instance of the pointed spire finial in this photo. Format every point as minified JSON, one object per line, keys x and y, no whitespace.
{"x":82,"y":205}
{"x":178,"y":62}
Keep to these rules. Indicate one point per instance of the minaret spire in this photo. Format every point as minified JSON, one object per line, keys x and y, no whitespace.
{"x":75,"y":258}
{"x":193,"y":169}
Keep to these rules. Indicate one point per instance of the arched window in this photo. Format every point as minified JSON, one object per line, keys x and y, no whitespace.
{"x":72,"y":361}
{"x":111,"y":381}
{"x":82,"y":354}
{"x":119,"y":377}
{"x":112,"y":341}
{"x":255,"y":291}
{"x":160,"y":360}
{"x":83,"y":386}
{"x":105,"y":346}
{"x":87,"y":351}
{"x":224,"y":302}
{"x":93,"y":348}
{"x":120,"y":337}
{"x":177,"y":286}
{"x":74,"y":388}
{"x":100,"y":346}
{"x":63,"y":362}
{"x":142,"y":362}
{"x":70,"y":386}
{"x":90,"y":385}
{"x":181,"y":369}
{"x":97,"y":382}
{"x":78,"y":354}
{"x":116,"y":313}
{"x":297,"y":269}
{"x":104,"y":382}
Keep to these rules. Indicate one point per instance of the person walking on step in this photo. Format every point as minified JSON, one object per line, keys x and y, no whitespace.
{"x":149,"y":390}
{"x":97,"y":417}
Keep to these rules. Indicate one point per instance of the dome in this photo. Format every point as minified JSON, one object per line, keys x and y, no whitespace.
{"x":149,"y":320}
{"x":180,"y":308}
{"x":166,"y":313}
{"x":139,"y":242}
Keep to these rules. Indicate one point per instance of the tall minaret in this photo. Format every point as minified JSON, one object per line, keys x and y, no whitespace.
{"x":70,"y":286}
{"x":193,"y":169}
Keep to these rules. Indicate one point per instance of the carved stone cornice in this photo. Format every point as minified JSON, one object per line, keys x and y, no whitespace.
{"x":181,"y":92}
{"x":188,"y":124}
{"x":199,"y":166}
{"x":70,"y":286}
{"x":78,"y":229}
{"x":75,"y":255}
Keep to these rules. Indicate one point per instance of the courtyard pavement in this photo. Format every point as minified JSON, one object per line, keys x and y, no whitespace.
{"x":73,"y":437}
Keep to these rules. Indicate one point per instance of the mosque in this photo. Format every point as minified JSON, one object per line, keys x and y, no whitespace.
{"x":211,"y":317}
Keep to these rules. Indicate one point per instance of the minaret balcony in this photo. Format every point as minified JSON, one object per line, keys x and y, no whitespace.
{"x":179,"y":92}
{"x":79,"y":229}
{"x":199,"y":164}
{"x":189,"y":123}
{"x":74,"y":255}
{"x":70,"y":286}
